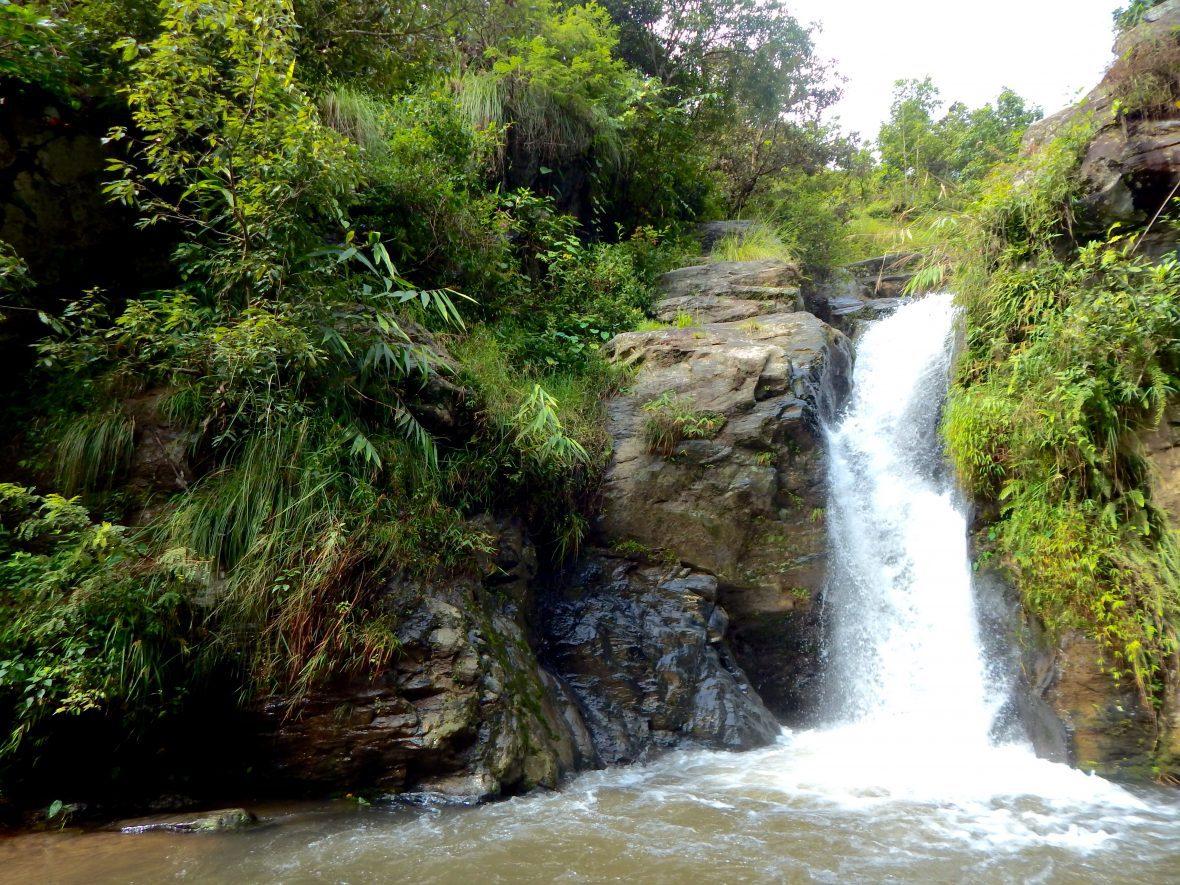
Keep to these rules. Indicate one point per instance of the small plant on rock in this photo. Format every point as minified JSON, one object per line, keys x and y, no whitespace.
{"x":671,"y":419}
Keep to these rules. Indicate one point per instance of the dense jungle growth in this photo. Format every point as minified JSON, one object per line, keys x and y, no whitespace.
{"x":397,"y":238}
{"x":369,"y":253}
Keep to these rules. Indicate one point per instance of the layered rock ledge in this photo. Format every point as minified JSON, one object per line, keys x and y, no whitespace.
{"x":744,"y":502}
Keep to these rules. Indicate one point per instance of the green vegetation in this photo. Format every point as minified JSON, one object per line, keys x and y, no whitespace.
{"x":398,"y":240}
{"x":927,"y":162}
{"x":1072,"y":352}
{"x":671,"y":419}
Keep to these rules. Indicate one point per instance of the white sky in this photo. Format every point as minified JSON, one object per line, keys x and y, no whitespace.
{"x":1047,"y":50}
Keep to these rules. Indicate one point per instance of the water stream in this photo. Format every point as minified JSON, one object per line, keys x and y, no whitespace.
{"x":911,"y":780}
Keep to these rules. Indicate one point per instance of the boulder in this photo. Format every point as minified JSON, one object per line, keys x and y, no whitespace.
{"x":744,"y":503}
{"x":220,"y":821}
{"x":765,"y":280}
{"x":465,"y":711}
{"x":719,"y":308}
{"x":1131,"y":171}
{"x":641,"y":647}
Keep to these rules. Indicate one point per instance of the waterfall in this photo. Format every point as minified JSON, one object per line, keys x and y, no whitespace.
{"x":905,"y":653}
{"x":911,"y":701}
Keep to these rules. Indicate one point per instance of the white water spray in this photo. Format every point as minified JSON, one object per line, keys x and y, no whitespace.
{"x":906,"y":655}
{"x":910,"y":695}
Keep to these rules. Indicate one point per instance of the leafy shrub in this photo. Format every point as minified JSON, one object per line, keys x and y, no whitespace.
{"x":422,"y":189}
{"x":35,"y":46}
{"x":543,"y":445}
{"x":585,"y":293}
{"x":560,"y":91}
{"x":88,"y":625}
{"x":253,"y":173}
{"x":14,"y":273}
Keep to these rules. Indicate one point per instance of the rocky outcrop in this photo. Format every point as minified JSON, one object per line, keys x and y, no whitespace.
{"x":464,"y":711}
{"x":725,"y":291}
{"x":642,"y":649}
{"x":221,"y":821}
{"x":1108,"y":729}
{"x":1132,"y":164}
{"x":740,"y":493}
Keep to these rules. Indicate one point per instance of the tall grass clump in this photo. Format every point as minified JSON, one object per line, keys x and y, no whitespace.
{"x":759,"y":241}
{"x":93,"y":450}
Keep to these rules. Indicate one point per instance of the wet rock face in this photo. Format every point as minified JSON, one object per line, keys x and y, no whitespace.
{"x":464,"y":711}
{"x":1108,"y":729}
{"x":1163,"y":453}
{"x":1061,"y":694}
{"x":1020,"y":663}
{"x":848,"y":297}
{"x":746,"y":503}
{"x":641,"y":648}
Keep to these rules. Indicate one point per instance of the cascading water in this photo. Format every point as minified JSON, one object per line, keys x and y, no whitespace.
{"x":906,"y":656}
{"x":906,"y":783}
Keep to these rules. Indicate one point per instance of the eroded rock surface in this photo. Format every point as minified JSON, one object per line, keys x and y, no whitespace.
{"x":642,"y":649}
{"x":725,"y":290}
{"x":464,"y":711}
{"x":850,"y":296}
{"x":747,"y":503}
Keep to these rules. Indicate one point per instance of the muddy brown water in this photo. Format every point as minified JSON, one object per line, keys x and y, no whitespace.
{"x":775,"y":815}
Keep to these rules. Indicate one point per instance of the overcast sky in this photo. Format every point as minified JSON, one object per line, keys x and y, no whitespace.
{"x":1047,"y":50}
